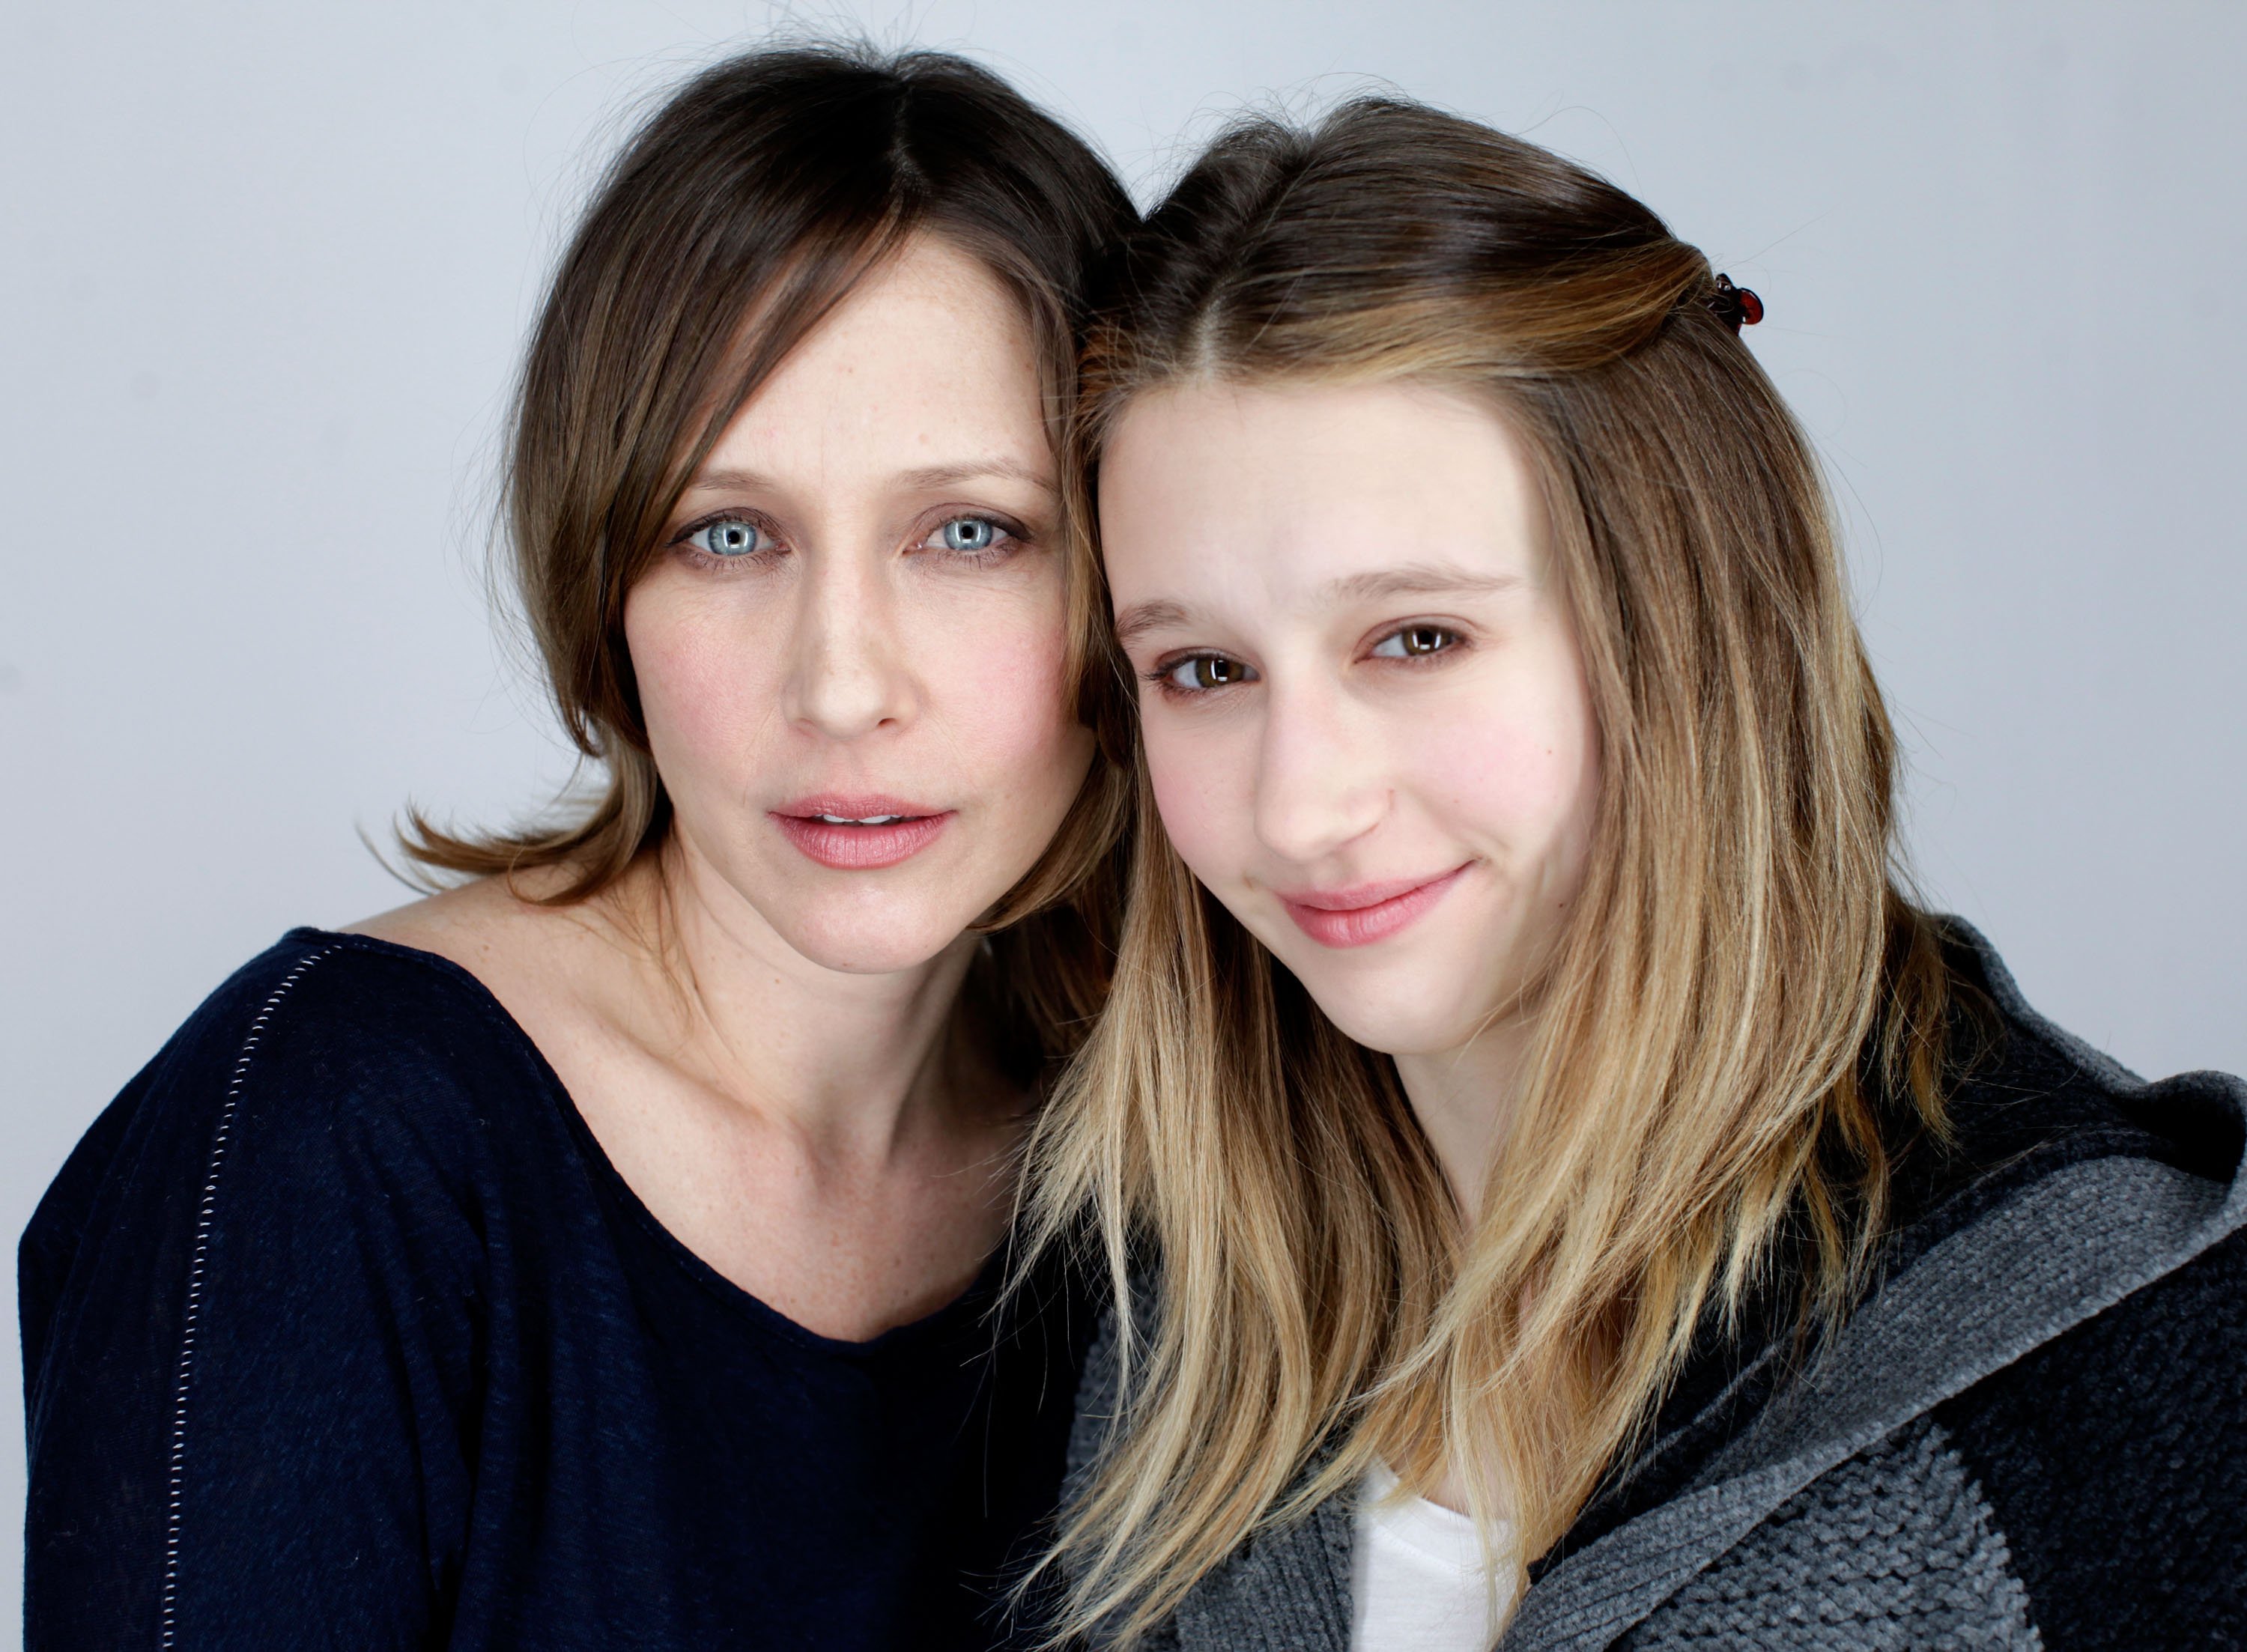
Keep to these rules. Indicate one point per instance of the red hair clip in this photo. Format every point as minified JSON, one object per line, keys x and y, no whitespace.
{"x":1735,"y":306}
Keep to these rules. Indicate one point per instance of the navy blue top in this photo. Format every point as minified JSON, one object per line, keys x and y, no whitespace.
{"x":340,"y":1330}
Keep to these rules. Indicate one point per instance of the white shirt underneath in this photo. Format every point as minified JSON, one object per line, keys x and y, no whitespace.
{"x":1417,"y":1581}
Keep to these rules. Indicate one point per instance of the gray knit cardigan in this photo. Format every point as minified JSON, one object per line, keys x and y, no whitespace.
{"x":2031,"y":1433}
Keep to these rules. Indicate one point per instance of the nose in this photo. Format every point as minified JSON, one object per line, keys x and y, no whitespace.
{"x":1320,"y":780}
{"x":848,"y":671}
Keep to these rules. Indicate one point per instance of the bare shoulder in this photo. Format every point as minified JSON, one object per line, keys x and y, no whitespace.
{"x":533,"y":959}
{"x":463,"y":924}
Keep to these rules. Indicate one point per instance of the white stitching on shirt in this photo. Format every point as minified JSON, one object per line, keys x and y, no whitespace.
{"x":169,"y":1625}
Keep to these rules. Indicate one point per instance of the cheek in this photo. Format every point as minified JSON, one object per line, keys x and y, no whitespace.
{"x":1201,"y":786}
{"x":1506,"y":781}
{"x":996,"y":672}
{"x":703,"y":688}
{"x":1527,"y":778}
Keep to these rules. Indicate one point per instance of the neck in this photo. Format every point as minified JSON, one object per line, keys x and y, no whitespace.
{"x":857,"y":1067}
{"x":1463,"y":1099}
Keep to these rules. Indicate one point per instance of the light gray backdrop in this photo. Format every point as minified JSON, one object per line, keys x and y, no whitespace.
{"x":265,"y":270}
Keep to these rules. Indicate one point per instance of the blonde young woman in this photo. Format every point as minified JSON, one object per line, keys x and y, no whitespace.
{"x":1553,"y":1179}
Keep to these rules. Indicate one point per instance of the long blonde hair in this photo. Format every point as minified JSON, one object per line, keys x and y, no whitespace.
{"x":1720,"y":1033}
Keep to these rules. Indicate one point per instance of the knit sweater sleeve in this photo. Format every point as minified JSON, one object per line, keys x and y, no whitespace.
{"x":250,"y":1310}
{"x":2115,"y":1459}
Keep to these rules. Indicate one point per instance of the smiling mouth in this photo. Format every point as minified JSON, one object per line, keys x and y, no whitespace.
{"x":1369,"y":913}
{"x":853,"y":835}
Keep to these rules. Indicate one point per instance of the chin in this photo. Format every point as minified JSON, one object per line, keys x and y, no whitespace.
{"x":1397,"y":1016}
{"x":881,"y":936}
{"x":874,"y":922}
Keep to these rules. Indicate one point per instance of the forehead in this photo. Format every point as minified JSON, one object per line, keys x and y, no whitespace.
{"x":1282,"y":490}
{"x":928,"y":360}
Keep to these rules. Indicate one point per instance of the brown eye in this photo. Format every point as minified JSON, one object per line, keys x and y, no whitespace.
{"x":1200,"y":672}
{"x":1415,"y":642}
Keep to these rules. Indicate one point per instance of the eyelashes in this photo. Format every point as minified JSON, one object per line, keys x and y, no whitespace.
{"x":1199,"y":672}
{"x":1417,"y":641}
{"x":971,"y":536}
{"x":727,"y":538}
{"x":1187,"y":674}
{"x":730,"y":539}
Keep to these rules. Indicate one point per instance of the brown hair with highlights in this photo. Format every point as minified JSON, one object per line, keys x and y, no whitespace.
{"x":740,"y":215}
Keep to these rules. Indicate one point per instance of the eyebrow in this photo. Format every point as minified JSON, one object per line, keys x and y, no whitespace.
{"x":1139,"y":618}
{"x":981,"y":470}
{"x":924,"y":479}
{"x":1411,"y":579}
{"x":1415,"y":579}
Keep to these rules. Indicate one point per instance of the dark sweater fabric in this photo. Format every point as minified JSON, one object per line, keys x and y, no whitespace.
{"x":340,"y":1330}
{"x":2031,"y":1433}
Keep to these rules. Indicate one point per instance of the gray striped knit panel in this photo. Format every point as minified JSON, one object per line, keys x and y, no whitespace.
{"x":1896,"y":1547}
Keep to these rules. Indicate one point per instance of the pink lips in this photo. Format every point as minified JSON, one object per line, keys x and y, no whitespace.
{"x":860,"y":834}
{"x":1368,"y":913}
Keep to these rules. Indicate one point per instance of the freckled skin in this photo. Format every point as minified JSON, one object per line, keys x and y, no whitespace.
{"x":782,"y":1088}
{"x":858,"y":661}
{"x":1334,"y":763}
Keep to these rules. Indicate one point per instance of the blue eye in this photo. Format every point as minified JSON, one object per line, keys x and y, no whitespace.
{"x":731,"y":537}
{"x":968,"y":533}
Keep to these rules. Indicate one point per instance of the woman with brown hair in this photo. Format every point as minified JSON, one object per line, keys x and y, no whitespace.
{"x":1553,"y":1177}
{"x":598,"y":1253}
